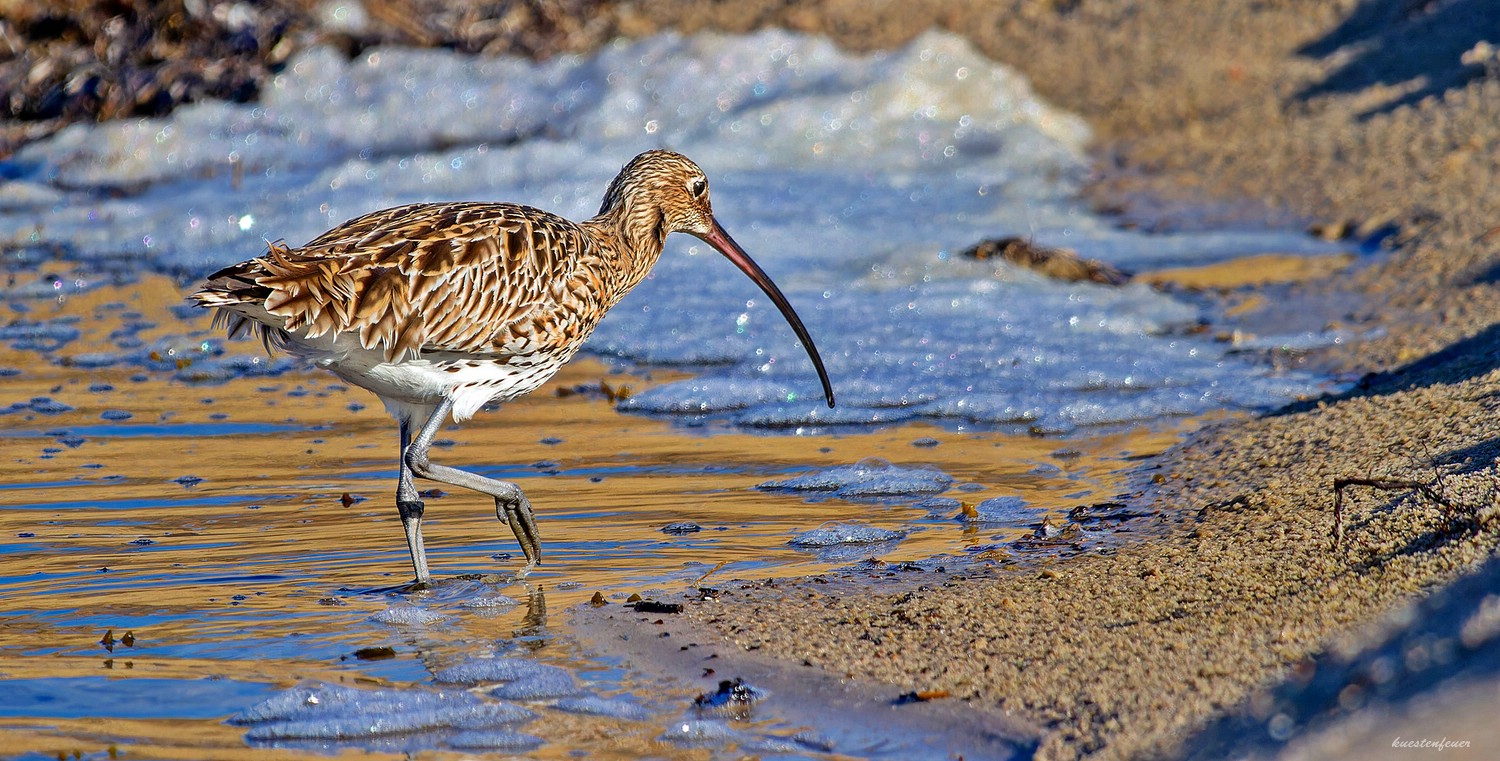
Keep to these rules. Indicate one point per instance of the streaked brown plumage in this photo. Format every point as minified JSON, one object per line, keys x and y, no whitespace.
{"x":442,"y":308}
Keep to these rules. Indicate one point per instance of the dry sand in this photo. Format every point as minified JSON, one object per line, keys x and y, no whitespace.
{"x":1357,"y":116}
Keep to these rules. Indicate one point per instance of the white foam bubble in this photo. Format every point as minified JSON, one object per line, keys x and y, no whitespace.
{"x":406,"y":615}
{"x":871,"y":477}
{"x":480,"y":670}
{"x":701,"y":732}
{"x":493,"y":739}
{"x":327,"y":711}
{"x":836,"y":533}
{"x":854,"y":179}
{"x":1009,"y":509}
{"x":593,"y":705}
{"x":544,"y":683}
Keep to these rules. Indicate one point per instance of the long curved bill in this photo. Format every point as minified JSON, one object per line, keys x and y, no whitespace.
{"x":732,"y":251}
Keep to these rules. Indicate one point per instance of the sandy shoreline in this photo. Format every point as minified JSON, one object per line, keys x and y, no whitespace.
{"x":1310,"y":112}
{"x":1344,"y":114}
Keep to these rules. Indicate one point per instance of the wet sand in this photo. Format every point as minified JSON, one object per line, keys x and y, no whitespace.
{"x":1356,"y":115}
{"x":1348,"y":114}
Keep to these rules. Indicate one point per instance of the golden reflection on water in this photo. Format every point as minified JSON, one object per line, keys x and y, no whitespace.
{"x":262,"y":573}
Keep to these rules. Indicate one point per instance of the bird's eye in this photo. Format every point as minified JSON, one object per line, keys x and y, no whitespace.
{"x":699,"y":187}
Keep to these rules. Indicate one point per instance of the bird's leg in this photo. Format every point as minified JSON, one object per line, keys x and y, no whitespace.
{"x":411,"y":509}
{"x":511,"y":505}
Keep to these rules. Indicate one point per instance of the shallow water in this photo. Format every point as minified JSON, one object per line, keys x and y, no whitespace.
{"x":211,"y":525}
{"x":231,"y":512}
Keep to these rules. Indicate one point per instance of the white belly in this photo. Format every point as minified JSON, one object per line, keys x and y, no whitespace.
{"x":410,"y":389}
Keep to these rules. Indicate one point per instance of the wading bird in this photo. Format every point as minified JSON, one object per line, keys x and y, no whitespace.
{"x":442,"y":308}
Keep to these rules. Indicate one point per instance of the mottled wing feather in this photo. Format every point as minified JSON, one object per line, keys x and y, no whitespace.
{"x":456,"y":277}
{"x":353,"y":231}
{"x":302,"y":290}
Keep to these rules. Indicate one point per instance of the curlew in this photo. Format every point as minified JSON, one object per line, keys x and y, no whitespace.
{"x":442,"y":308}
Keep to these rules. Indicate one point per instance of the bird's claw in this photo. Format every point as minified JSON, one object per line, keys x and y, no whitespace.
{"x":522,"y":523}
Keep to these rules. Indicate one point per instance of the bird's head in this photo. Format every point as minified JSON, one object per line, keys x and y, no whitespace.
{"x":661,"y":192}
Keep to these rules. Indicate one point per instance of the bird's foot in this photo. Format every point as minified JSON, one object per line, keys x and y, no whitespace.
{"x":517,"y":513}
{"x":405,"y":588}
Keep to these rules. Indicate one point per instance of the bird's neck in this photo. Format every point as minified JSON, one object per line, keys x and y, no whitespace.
{"x":629,"y":240}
